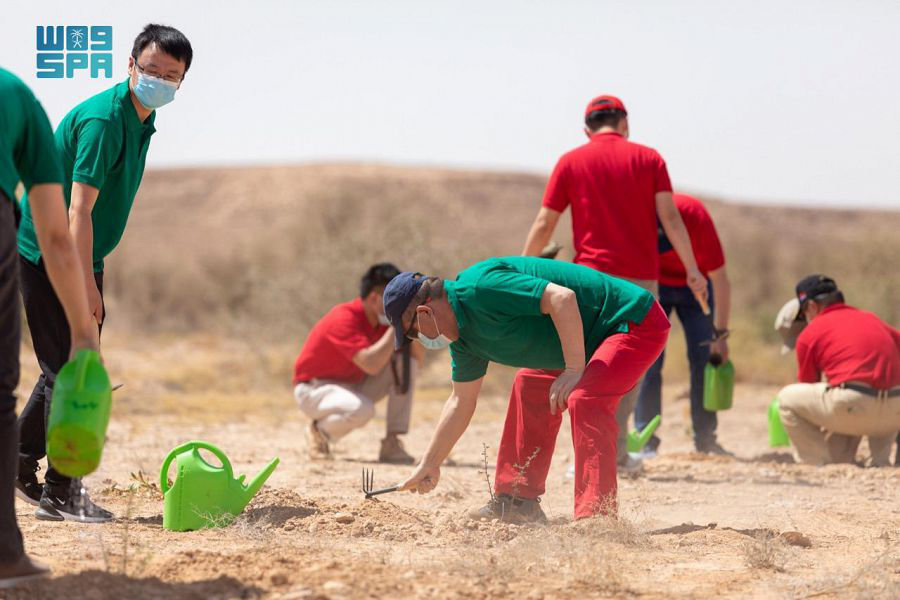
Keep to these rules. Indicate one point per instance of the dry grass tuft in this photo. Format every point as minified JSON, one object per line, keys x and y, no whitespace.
{"x":765,"y":551}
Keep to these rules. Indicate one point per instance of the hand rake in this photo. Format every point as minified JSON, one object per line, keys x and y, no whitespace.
{"x":368,"y":485}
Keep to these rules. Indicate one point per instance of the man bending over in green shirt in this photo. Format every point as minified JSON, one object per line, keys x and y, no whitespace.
{"x":103,"y":144}
{"x":584,"y":339}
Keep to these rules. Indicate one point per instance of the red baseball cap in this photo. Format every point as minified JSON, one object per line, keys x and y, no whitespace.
{"x":604,"y":103}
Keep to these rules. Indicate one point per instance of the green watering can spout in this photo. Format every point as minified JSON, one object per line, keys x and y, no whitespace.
{"x":258,"y":481}
{"x":635,"y":441}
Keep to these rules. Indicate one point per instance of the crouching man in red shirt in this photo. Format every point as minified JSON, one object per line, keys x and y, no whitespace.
{"x":348,"y":363}
{"x":859,"y":355}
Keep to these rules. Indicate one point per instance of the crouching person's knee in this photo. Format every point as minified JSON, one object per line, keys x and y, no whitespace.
{"x":361,"y":414}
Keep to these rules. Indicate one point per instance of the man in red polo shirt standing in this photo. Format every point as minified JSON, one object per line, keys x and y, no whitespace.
{"x":674,"y":295}
{"x":348,"y":363}
{"x":617,"y":189}
{"x":859,"y":356}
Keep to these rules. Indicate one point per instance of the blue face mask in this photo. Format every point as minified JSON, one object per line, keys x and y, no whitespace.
{"x":438,"y":343}
{"x":153,"y":92}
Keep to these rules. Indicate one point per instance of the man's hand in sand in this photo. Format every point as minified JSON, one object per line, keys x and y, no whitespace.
{"x":423,"y":480}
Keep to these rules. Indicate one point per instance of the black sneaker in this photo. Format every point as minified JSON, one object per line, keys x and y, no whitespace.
{"x":711,"y":447}
{"x":511,"y":510}
{"x":70,"y":506}
{"x":21,"y":571}
{"x":27,"y":486}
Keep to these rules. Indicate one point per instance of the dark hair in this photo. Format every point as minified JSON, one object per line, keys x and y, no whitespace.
{"x":378,"y":275}
{"x":603,"y":118}
{"x":170,"y":40}
{"x":828,"y":299}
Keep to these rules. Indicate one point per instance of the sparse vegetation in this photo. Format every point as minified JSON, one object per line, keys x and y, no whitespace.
{"x":764,"y":551}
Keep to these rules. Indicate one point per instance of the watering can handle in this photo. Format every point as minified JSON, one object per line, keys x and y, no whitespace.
{"x":164,"y":472}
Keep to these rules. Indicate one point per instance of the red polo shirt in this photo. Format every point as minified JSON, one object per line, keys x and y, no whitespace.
{"x":704,"y":241}
{"x":611,"y":185}
{"x":334,"y":341}
{"x":848,"y":344}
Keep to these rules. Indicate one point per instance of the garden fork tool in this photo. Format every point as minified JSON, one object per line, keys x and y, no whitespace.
{"x":368,"y":485}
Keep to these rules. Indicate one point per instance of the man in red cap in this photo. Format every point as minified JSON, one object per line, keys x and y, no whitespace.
{"x":617,"y":189}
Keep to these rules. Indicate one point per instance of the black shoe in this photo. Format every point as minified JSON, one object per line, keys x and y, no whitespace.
{"x":511,"y":510}
{"x":27,"y":486}
{"x":711,"y":447}
{"x":21,"y":571}
{"x":66,"y":505}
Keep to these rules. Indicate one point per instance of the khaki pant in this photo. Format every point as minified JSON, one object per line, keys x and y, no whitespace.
{"x":629,"y":400}
{"x":825,"y":424}
{"x":339,"y":407}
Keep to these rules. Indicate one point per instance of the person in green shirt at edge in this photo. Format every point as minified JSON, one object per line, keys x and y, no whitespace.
{"x":103,"y":144}
{"x":27,"y":154}
{"x":589,"y":335}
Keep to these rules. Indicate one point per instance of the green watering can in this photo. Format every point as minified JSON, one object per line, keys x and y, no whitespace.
{"x":778,"y":437}
{"x":203,"y":495}
{"x":718,"y":384}
{"x":79,"y":414}
{"x":635,"y":441}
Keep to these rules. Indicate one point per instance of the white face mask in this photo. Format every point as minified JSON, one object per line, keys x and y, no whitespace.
{"x":383,"y":320}
{"x":438,"y":343}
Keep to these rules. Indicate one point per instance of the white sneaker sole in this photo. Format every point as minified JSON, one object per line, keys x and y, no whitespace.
{"x":43,"y":515}
{"x":25,"y":498}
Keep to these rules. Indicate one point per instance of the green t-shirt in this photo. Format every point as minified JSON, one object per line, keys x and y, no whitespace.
{"x":497,"y":304}
{"x":27,"y":152}
{"x":103,"y":144}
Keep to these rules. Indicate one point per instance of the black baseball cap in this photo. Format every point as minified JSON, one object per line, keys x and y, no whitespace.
{"x":812,"y":286}
{"x":398,"y":293}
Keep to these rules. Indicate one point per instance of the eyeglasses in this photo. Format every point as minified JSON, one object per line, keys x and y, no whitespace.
{"x":413,"y":324}
{"x":169,"y":78}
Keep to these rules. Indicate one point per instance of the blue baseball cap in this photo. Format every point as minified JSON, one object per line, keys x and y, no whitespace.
{"x":398,"y":293}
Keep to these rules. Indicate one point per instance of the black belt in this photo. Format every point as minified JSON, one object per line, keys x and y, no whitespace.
{"x":870,"y":391}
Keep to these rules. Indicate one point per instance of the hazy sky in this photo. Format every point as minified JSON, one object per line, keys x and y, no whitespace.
{"x":780,"y":101}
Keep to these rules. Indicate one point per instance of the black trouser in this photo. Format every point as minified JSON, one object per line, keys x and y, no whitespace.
{"x":52,"y":344}
{"x":10,"y":537}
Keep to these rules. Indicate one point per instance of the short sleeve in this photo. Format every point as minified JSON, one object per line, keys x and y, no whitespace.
{"x":465,"y":366}
{"x":511,"y":293}
{"x":661,"y":180}
{"x":97,"y":146}
{"x":346,"y":337}
{"x":37,"y":159}
{"x":556,"y":196}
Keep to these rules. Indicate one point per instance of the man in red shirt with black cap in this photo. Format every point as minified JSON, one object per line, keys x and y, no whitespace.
{"x":617,"y":189}
{"x":859,"y":356}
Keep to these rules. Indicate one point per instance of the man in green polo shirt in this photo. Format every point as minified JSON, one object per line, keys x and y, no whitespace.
{"x":27,"y":154}
{"x":584,"y":338}
{"x":103,"y":144}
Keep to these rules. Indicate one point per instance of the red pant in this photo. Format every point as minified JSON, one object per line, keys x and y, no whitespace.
{"x":610,"y":373}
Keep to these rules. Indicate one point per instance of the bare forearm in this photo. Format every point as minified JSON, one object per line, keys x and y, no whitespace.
{"x":376,"y":357}
{"x":83,"y":235}
{"x":455,"y":418}
{"x":722,"y":296}
{"x":562,"y":306}
{"x":61,"y":260}
{"x":541,"y":231}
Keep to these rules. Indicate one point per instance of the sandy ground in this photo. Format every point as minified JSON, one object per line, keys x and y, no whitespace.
{"x":755,"y":526}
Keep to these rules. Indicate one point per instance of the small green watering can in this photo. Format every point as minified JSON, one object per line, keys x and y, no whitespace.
{"x":718,"y":384}
{"x":778,"y":437}
{"x":203,"y":495}
{"x":635,"y":441}
{"x":79,"y":414}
